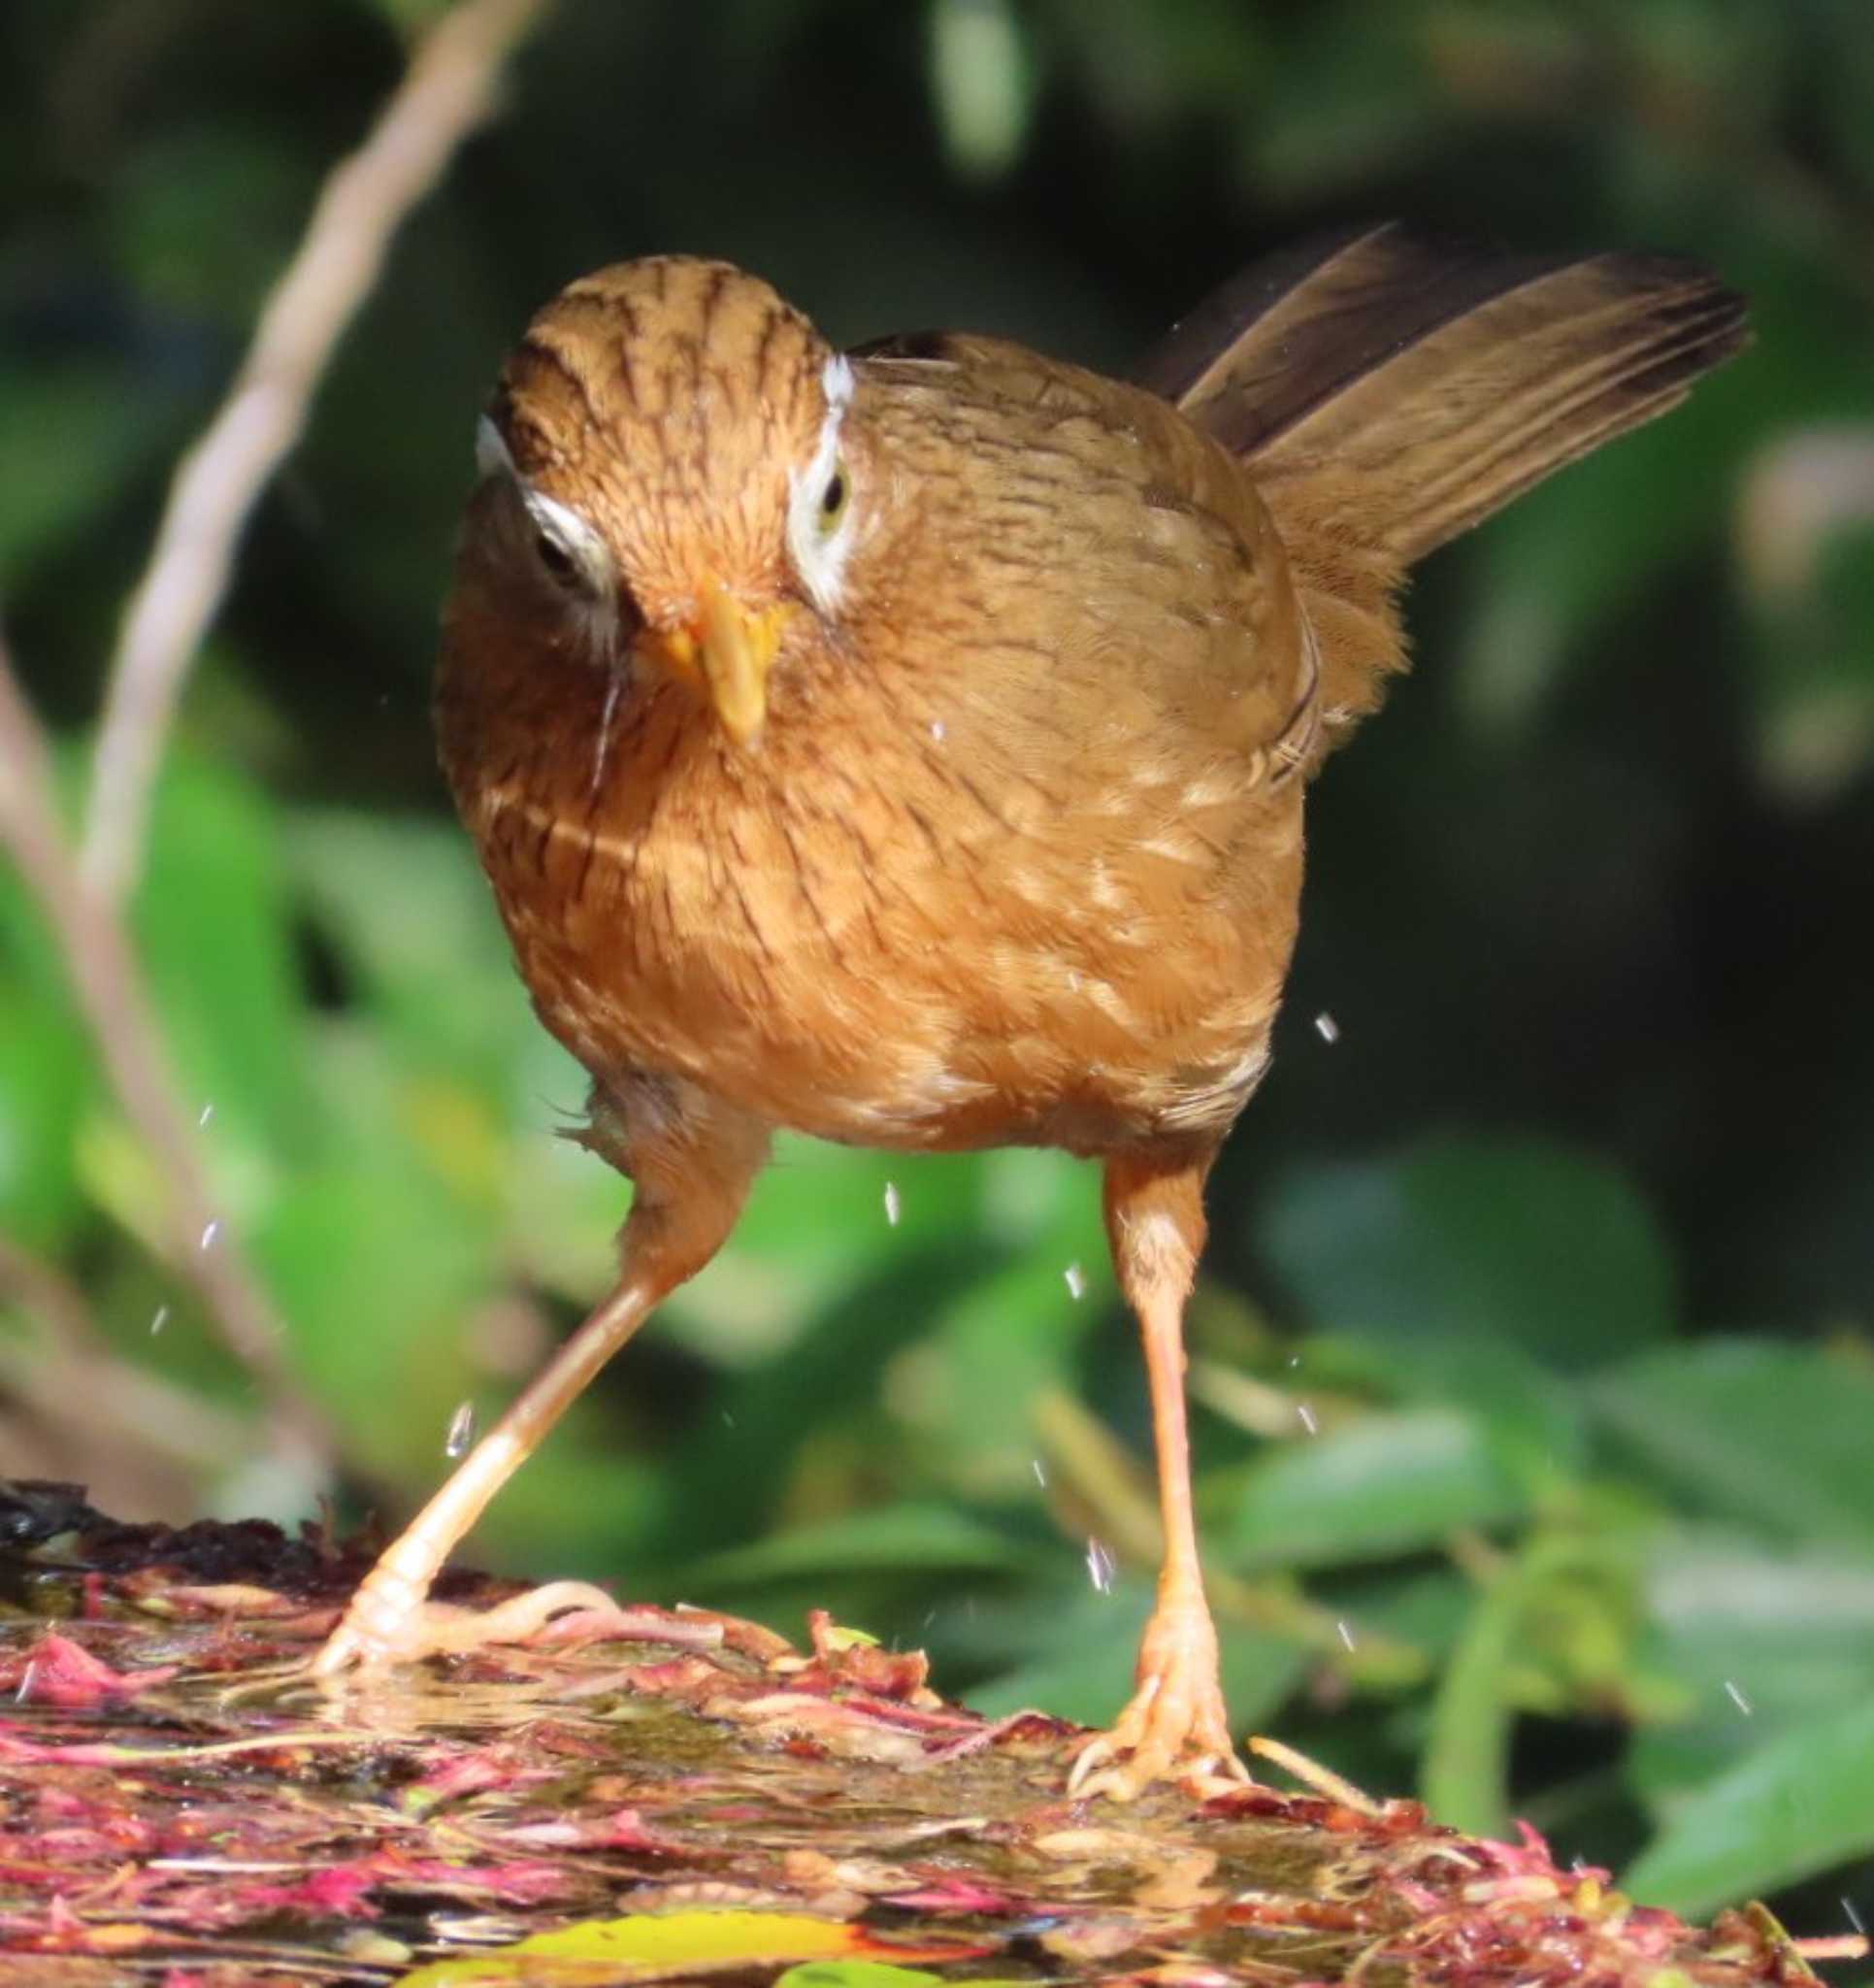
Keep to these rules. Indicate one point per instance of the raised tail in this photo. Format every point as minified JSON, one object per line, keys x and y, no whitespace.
{"x":1393,"y":389}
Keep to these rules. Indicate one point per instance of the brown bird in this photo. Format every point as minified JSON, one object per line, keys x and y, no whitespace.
{"x":909,"y":746}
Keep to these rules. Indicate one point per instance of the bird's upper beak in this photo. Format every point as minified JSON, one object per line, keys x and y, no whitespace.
{"x":726,"y":652}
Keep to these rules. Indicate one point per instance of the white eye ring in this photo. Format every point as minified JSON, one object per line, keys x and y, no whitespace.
{"x":821,"y":501}
{"x":572,"y":551}
{"x":588,"y":558}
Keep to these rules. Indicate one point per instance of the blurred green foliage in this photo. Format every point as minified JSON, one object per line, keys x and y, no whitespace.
{"x":1534,"y":1369}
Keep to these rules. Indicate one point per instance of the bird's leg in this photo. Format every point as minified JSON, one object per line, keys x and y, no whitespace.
{"x":1175,"y":1723}
{"x":692,"y":1169}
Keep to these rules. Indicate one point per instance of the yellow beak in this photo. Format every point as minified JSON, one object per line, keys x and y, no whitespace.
{"x":727,"y":654}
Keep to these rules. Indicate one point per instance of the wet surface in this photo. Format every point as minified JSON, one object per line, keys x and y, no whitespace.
{"x":178,"y":1805}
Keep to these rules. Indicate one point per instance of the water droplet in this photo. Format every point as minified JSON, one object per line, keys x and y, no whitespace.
{"x":937,"y":731}
{"x":211,"y":1235}
{"x":1100,"y":1565}
{"x":1076,"y":1280}
{"x":1853,"y":1917}
{"x":1307,"y":1418}
{"x":160,"y":1320}
{"x":1736,"y":1693}
{"x":207,"y":1117}
{"x":1295,"y":1360}
{"x":728,"y":1420}
{"x":1345,"y":1631}
{"x":461,"y":1430}
{"x":892,"y":1203}
{"x":1327,"y":1028}
{"x":1041,"y":1471}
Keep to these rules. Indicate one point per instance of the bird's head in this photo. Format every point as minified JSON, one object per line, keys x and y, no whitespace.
{"x":668,"y":480}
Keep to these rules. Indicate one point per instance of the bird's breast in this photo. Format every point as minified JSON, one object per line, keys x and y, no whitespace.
{"x":994,"y":875}
{"x":919,"y":955}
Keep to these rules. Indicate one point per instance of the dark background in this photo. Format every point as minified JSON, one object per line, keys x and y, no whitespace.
{"x":1563,"y":1246}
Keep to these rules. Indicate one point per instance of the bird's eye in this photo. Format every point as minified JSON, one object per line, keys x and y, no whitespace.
{"x":560,"y":565}
{"x":820,"y":519}
{"x":834,"y":495}
{"x":566,"y":546}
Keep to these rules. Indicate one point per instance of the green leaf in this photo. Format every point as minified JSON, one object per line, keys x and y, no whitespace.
{"x":894,"y":1537}
{"x":1559,"y":1622}
{"x":1463,"y":1774}
{"x":818,"y":1224}
{"x":1424,"y":1607}
{"x":1352,"y":103}
{"x":206,"y":216}
{"x":722,"y":1483}
{"x":1001,"y":1341}
{"x":476,"y":1083}
{"x":379,"y":1267}
{"x":409,"y":914}
{"x":1759,"y":1640}
{"x":1388,"y":1484}
{"x":1085,"y":1648}
{"x":857,"y":1974}
{"x":1534,"y":1422}
{"x":1790,"y":1811}
{"x":602,"y":1951}
{"x":1774,"y":1436}
{"x":876,"y":1974}
{"x":214,"y":920}
{"x":1480,"y":1237}
{"x":413,"y":17}
{"x":1549,"y":575}
{"x":45,"y":1084}
{"x":982,"y":86}
{"x":78,"y":434}
{"x":1813,"y":673}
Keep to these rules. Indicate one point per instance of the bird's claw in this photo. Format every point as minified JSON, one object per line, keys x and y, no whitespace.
{"x":384,"y":1628}
{"x":382,"y":1625}
{"x":1176,"y":1725}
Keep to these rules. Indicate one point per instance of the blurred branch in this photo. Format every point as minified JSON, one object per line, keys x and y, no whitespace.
{"x":109,"y":984}
{"x":447,"y":90}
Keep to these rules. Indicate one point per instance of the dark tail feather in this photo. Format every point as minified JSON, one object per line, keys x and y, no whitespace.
{"x":1393,"y":391}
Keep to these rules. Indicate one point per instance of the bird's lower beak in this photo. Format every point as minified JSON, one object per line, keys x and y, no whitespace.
{"x":726,"y":653}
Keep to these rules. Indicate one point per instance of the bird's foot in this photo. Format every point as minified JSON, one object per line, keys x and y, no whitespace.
{"x":1176,"y":1725}
{"x":389,"y":1619}
{"x":392,"y":1620}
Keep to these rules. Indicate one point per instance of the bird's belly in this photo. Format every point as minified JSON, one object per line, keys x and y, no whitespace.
{"x":880,"y":1011}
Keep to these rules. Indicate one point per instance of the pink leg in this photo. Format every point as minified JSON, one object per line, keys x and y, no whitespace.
{"x":1175,"y":1722}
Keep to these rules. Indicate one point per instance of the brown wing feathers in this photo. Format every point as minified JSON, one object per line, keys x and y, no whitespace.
{"x":1391,"y":390}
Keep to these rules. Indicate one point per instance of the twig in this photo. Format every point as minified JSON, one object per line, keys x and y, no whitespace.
{"x":1311,"y":1774}
{"x":444,"y":93}
{"x":109,"y":984}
